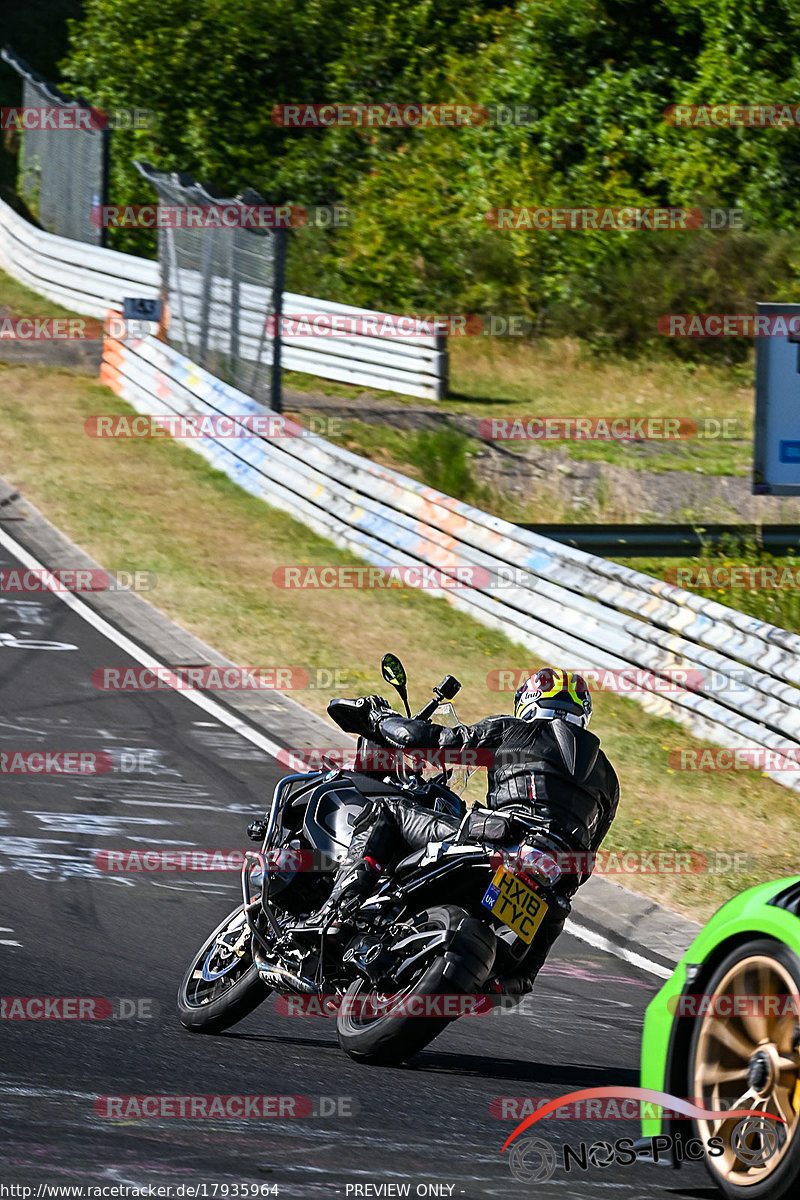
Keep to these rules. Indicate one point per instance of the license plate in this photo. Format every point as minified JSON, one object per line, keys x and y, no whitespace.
{"x":515,"y":904}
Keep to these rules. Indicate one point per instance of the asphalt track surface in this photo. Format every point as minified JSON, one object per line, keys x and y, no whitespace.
{"x":70,"y":928}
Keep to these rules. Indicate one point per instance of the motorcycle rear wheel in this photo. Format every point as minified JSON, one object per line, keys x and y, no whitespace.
{"x":458,"y":967}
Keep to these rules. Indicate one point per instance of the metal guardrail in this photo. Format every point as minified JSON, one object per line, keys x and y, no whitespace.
{"x":87,"y":279}
{"x":90,"y":280}
{"x":555,"y":601}
{"x":670,"y":541}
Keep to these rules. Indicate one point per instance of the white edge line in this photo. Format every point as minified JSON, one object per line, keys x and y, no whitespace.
{"x":259,"y":739}
{"x":8,"y":942}
{"x":603,"y":943}
{"x":138,"y":654}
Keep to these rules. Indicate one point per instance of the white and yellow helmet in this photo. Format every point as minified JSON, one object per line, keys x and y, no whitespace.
{"x":552,"y":693}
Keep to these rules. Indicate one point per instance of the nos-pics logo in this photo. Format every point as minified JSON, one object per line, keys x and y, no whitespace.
{"x":754,"y":1139}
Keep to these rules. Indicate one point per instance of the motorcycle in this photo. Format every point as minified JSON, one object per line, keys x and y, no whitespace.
{"x":446,"y":929}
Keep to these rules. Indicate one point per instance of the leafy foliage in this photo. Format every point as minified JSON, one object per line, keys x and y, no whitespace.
{"x":600,"y":74}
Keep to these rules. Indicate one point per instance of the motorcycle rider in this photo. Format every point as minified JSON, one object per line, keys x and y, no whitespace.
{"x":543,"y":762}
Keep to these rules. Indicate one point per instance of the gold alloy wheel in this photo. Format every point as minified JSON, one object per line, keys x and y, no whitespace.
{"x":750,"y":1060}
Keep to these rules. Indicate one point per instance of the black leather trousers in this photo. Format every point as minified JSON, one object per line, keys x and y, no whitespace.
{"x":388,"y":829}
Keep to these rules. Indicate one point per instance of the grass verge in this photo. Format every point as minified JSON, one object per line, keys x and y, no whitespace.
{"x":22,"y":302}
{"x":156,"y":505}
{"x":502,"y":379}
{"x":741,"y":576}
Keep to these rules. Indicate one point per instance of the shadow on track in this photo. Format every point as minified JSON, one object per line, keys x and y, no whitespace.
{"x":571,"y":1076}
{"x":568,"y":1075}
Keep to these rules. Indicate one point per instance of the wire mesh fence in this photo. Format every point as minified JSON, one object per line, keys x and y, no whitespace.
{"x":63,"y":157}
{"x":222,"y":282}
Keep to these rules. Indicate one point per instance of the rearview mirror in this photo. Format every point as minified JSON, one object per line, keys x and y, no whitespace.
{"x":393,"y":670}
{"x":394,"y":673}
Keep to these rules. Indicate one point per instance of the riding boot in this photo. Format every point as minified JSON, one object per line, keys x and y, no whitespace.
{"x":359,"y":870}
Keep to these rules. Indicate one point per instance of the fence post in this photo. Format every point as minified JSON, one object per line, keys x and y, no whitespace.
{"x":207,"y":283}
{"x":276,"y":379}
{"x":105,"y":158}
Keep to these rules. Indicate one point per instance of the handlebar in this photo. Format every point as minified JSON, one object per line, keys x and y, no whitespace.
{"x":348,"y":713}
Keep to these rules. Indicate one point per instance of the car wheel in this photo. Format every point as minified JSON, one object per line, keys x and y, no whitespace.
{"x":744,"y":1055}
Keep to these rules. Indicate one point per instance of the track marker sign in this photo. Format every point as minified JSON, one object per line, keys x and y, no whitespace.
{"x":139,"y":308}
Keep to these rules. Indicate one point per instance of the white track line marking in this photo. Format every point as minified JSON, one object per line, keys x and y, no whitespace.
{"x":602,"y":943}
{"x":138,"y":654}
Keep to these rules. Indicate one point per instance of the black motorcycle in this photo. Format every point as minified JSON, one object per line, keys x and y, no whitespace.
{"x":445,"y":928}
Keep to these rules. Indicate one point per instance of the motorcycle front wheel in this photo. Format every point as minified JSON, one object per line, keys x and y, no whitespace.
{"x":387,"y":1028}
{"x":221,"y":985}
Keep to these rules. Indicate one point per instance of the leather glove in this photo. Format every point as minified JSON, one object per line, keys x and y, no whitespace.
{"x":359,"y":716}
{"x":376,"y":709}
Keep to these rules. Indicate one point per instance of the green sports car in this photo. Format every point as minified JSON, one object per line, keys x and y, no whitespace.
{"x":724,"y":1032}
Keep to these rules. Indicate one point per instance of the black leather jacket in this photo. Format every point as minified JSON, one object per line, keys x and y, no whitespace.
{"x":555,"y":767}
